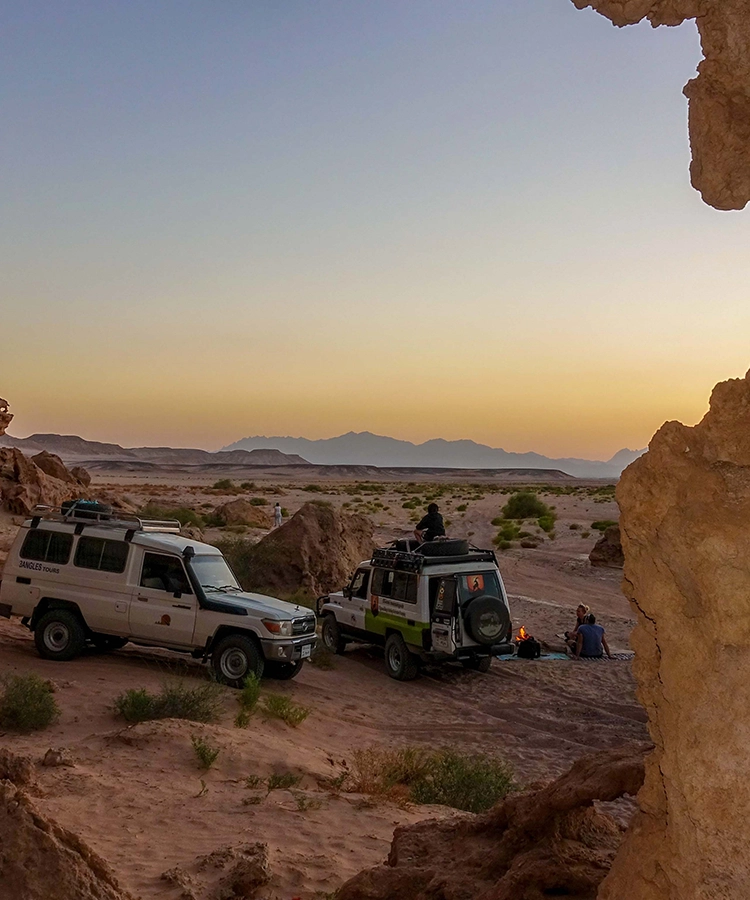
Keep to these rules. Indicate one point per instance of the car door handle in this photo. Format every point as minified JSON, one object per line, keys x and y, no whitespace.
{"x":181,"y":606}
{"x":142,"y":598}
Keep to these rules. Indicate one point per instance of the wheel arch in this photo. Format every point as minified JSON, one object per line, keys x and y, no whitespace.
{"x":225,"y":630}
{"x":46,"y":604}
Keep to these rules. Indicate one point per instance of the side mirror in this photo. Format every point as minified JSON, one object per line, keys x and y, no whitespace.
{"x":348,"y":592}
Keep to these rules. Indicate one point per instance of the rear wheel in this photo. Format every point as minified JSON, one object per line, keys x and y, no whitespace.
{"x":235,"y":657}
{"x":283,"y":671}
{"x":399,"y":662}
{"x":60,"y":635}
{"x":478,"y":664}
{"x":331,"y":634}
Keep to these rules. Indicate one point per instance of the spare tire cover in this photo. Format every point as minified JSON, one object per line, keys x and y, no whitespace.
{"x":487,"y":620}
{"x":444,"y":548}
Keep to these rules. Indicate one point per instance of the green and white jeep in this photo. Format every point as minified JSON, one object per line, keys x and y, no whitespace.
{"x":438,"y":602}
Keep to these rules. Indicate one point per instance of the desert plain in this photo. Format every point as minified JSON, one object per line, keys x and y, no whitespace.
{"x":135,"y":794}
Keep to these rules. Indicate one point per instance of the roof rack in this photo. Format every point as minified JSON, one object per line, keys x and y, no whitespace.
{"x":409,"y":561}
{"x":101,"y":519}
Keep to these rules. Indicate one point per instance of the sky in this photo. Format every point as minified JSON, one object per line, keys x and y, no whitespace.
{"x":433,"y":218}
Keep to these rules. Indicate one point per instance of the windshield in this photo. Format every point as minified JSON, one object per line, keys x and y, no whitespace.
{"x":213,"y":573}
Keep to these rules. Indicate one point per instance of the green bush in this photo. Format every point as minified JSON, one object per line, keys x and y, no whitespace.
{"x":462,"y":508}
{"x":204,"y":752}
{"x":546,"y":523}
{"x":248,"y":700}
{"x":472,"y":783}
{"x":502,"y":544}
{"x":603,"y":525}
{"x":177,"y":700}
{"x":314,"y":489}
{"x":282,"y":781}
{"x":278,"y":706}
{"x":27,"y":703}
{"x":224,"y":484}
{"x":247,"y":485}
{"x":258,"y":501}
{"x":525,"y":505}
{"x":574,"y":526}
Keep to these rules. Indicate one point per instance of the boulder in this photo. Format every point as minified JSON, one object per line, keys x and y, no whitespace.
{"x":315,"y":551}
{"x":81,"y":475}
{"x":51,"y":464}
{"x":685,"y":521}
{"x":23,"y":485}
{"x":719,"y":98}
{"x":607,"y":552}
{"x":547,"y":841}
{"x":242,"y":512}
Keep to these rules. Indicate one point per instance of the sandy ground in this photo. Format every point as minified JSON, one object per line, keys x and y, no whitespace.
{"x":136,"y":795}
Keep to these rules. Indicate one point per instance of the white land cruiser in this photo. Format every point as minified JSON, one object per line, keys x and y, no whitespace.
{"x":80,"y":575}
{"x":439,"y":602}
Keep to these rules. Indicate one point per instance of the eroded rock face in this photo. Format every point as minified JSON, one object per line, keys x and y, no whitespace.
{"x":547,"y":842}
{"x":23,"y":484}
{"x":607,"y":552}
{"x":6,"y":417}
{"x":720,"y":95}
{"x":685,"y":524}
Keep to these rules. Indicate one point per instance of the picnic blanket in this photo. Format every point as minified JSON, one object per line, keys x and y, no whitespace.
{"x":627,"y":654}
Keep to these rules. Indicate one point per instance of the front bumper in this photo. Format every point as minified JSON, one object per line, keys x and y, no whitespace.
{"x":288,"y":649}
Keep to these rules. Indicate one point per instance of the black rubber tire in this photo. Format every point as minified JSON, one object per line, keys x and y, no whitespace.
{"x":477,"y":664}
{"x":400,"y":663}
{"x":60,"y":635}
{"x":235,"y":657}
{"x":487,"y":620}
{"x":284,"y":671}
{"x":107,"y":642}
{"x":333,"y":640}
{"x":444,"y":548}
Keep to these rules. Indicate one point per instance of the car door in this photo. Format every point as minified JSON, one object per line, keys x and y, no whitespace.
{"x":163,"y":607}
{"x":356,"y":600}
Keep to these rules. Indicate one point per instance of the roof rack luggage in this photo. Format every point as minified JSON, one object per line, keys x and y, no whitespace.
{"x":101,"y":515}
{"x":415,"y":560}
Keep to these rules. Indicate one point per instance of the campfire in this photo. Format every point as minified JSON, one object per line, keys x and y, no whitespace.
{"x":527,"y":646}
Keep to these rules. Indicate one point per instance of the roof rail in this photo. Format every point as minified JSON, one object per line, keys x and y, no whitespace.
{"x":104,"y":519}
{"x":408,"y":561}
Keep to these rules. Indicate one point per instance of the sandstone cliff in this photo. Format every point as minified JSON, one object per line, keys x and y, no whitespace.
{"x":685,"y":524}
{"x":720,"y":95}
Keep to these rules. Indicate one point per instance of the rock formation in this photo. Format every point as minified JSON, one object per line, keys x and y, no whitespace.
{"x":39,"y":858}
{"x":23,"y":484}
{"x":316,"y":551}
{"x":242,"y":512}
{"x":5,"y":417}
{"x":51,"y":464}
{"x":607,"y":552}
{"x":544,"y":842}
{"x":720,"y":95}
{"x":685,"y":522}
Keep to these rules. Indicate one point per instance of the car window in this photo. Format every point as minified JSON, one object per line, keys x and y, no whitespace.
{"x":360,"y":583}
{"x":101,"y":554}
{"x":164,"y":573}
{"x":397,"y":585}
{"x":476,"y":584}
{"x":47,"y":546}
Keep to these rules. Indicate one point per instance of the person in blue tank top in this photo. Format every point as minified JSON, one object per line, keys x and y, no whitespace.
{"x":591,"y":642}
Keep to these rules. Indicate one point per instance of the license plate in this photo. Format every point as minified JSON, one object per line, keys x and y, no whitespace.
{"x":306,"y":651}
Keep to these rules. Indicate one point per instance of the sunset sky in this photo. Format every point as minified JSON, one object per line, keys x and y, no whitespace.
{"x":464,"y":219}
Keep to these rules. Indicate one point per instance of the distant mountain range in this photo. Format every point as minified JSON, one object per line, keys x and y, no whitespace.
{"x":72,"y":448}
{"x":364,"y":448}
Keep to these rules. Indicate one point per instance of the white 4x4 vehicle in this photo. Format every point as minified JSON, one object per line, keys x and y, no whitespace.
{"x":80,"y":575}
{"x":440,"y":602}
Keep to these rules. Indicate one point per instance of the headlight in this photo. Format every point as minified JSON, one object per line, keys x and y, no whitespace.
{"x":276,"y":627}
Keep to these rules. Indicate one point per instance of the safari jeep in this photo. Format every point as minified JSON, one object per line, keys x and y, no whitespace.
{"x":80,"y":575}
{"x":436,"y":603}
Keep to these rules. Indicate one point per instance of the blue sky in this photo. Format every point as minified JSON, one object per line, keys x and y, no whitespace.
{"x":276,"y":217}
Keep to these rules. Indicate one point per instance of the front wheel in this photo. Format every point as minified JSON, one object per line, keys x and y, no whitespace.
{"x":284,"y":671}
{"x":399,"y":662}
{"x":60,"y":635}
{"x":235,"y":657}
{"x":331,"y":634}
{"x":477,"y":665}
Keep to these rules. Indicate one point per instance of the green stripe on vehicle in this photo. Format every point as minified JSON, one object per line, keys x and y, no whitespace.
{"x":383,"y":622}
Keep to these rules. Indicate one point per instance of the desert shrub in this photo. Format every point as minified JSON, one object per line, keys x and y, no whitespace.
{"x":278,"y":706}
{"x":282,"y":781}
{"x":468,"y":782}
{"x":258,"y":501}
{"x":498,"y":521}
{"x":585,"y":534}
{"x":322,"y":658}
{"x":183,"y":514}
{"x":27,"y":703}
{"x":603,"y":525}
{"x":574,"y":526}
{"x":248,"y":485}
{"x":204,"y":752}
{"x":502,"y":545}
{"x":224,"y":484}
{"x":314,"y":489}
{"x":546,"y":523}
{"x":248,"y":700}
{"x":509,"y":532}
{"x":525,"y":505}
{"x":176,"y":700}
{"x":462,"y":508}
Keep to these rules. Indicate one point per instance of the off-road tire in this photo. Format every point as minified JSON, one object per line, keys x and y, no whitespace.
{"x":235,"y":657}
{"x":444,"y":548}
{"x":107,"y":642}
{"x":399,"y":662}
{"x":477,"y":664}
{"x":60,"y":635}
{"x":487,"y":620}
{"x":283,"y":671}
{"x":330,"y":632}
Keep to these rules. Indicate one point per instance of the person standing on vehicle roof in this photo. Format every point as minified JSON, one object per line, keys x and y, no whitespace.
{"x":431,"y":526}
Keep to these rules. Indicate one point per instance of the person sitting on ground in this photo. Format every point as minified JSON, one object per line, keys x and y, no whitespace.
{"x":431,"y":526}
{"x":571,"y":637}
{"x":591,"y":640}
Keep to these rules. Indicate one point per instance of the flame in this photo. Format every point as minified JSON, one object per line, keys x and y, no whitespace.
{"x":523,"y":635}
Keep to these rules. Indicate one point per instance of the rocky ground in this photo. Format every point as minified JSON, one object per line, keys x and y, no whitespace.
{"x":137,"y":797}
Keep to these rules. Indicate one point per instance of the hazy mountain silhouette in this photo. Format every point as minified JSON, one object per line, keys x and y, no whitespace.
{"x":364,"y":448}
